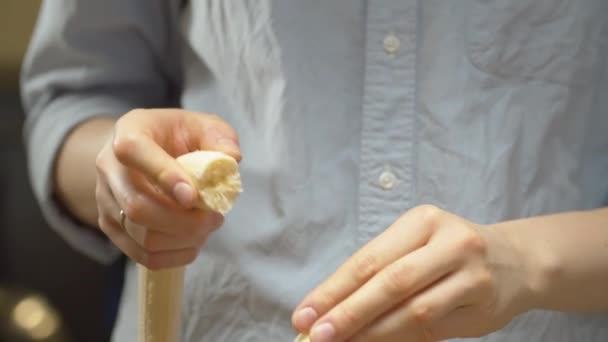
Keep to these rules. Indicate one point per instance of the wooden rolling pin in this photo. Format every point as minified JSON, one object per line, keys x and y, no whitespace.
{"x":160,"y":304}
{"x":218,"y":182}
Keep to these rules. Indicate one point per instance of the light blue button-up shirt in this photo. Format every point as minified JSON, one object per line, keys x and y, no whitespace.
{"x":491,"y":109}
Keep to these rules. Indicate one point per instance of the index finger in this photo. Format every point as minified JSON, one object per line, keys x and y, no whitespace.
{"x":138,"y":151}
{"x":407,"y":234}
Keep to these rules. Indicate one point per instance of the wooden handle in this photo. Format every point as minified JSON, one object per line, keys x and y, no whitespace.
{"x":160,"y":300}
{"x":160,"y":292}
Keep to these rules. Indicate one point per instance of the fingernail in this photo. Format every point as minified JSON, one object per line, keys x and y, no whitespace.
{"x":228,"y":143}
{"x":183,"y":194}
{"x":304,"y":318}
{"x":324,"y":332}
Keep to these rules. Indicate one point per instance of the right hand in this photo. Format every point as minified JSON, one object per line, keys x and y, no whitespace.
{"x":137,"y":172}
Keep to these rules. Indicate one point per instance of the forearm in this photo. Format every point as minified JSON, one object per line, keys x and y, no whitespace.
{"x":568,"y":259}
{"x":75,"y":173}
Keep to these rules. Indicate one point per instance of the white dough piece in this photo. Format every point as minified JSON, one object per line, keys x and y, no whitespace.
{"x":302,"y":338}
{"x":216,"y":177}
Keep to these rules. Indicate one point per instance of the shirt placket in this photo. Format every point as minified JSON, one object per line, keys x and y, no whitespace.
{"x":387,"y":136}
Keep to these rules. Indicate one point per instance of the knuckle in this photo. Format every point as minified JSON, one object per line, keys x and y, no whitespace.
{"x":100,"y":163}
{"x":394,"y":280}
{"x":473,"y":242}
{"x":484,"y":281}
{"x":469,"y":286}
{"x":124,"y":145}
{"x":150,"y":241}
{"x":428,"y":213}
{"x":365,"y":266}
{"x":422,"y":313}
{"x":163,"y":176}
{"x":325,"y":299}
{"x":103,"y":224}
{"x":476,"y":283}
{"x":134,"y":207}
{"x":346,"y":317}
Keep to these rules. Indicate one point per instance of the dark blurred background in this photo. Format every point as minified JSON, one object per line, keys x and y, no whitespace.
{"x":48,"y":292}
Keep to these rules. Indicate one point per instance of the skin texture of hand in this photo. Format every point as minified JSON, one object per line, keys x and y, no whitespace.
{"x":137,"y":172}
{"x":430,"y":276}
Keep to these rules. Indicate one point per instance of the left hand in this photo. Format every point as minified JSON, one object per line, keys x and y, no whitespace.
{"x":430,"y":276}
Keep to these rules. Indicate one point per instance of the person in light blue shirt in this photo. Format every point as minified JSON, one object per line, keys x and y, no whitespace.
{"x":412,"y":170}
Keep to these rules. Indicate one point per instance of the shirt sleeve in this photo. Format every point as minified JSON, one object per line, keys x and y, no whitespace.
{"x":89,"y":58}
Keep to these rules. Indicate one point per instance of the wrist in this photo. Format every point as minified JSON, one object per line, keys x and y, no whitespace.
{"x":75,"y":174}
{"x":539,"y":266}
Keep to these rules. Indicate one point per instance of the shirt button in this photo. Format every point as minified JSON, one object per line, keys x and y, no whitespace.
{"x":391,"y":44}
{"x":387,"y":180}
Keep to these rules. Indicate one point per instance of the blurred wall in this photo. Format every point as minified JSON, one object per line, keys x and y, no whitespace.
{"x":16,"y":21}
{"x":32,"y":257}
